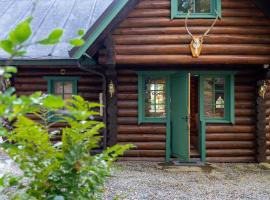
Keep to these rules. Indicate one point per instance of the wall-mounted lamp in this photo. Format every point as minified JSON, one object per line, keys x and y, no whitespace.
{"x":111,"y":88}
{"x":263,"y":89}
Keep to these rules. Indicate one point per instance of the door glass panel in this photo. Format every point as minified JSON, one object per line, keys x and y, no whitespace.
{"x":195,"y":6}
{"x":155,"y":98}
{"x":214,"y":97}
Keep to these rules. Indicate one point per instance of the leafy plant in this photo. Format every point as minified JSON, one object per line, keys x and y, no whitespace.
{"x":56,"y":170}
{"x":64,"y":170}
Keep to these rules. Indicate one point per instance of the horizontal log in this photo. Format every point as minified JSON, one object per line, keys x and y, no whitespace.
{"x":238,"y":30}
{"x":166,"y":22}
{"x":242,"y":159}
{"x":243,"y":12}
{"x":208,"y":49}
{"x":230,"y":137}
{"x":148,"y":145}
{"x":151,"y":159}
{"x":127,"y":88}
{"x":145,"y":153}
{"x":230,"y":144}
{"x":126,"y":96}
{"x":127,"y":112}
{"x":230,"y":129}
{"x":127,"y":104}
{"x":184,"y":59}
{"x":141,"y":138}
{"x":127,"y":79}
{"x":229,"y":152}
{"x":150,"y":129}
{"x":185,"y":39}
{"x":127,"y":120}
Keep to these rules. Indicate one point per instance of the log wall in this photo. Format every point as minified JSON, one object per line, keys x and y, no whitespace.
{"x":225,"y":143}
{"x":236,"y":143}
{"x":149,"y":36}
{"x":30,"y":79}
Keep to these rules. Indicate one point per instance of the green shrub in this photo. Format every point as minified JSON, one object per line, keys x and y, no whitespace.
{"x":64,"y":170}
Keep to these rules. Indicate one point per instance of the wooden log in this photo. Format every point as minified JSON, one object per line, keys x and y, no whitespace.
{"x":150,"y":129}
{"x":185,"y":59}
{"x":241,"y":30}
{"x":165,"y":22}
{"x":230,"y":129}
{"x":185,"y":39}
{"x":127,"y":104}
{"x":230,"y":145}
{"x":127,"y":112}
{"x":208,"y":49}
{"x":230,"y":152}
{"x":230,"y":137}
{"x":242,"y":159}
{"x":141,"y":138}
{"x":148,"y":145}
{"x":145,"y":153}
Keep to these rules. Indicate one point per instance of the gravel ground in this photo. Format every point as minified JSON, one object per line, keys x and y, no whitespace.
{"x":144,"y":180}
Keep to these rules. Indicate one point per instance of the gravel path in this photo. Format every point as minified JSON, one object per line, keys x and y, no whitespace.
{"x":143,"y":180}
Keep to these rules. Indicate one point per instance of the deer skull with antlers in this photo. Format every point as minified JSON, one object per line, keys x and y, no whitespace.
{"x":197,"y":41}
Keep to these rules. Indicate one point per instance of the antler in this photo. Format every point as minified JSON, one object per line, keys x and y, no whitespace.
{"x":186,"y":24}
{"x":212,"y":26}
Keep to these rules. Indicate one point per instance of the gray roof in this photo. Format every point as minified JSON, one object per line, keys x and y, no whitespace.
{"x":70,"y":15}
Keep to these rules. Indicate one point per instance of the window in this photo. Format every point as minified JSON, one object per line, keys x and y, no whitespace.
{"x":217,"y":98}
{"x":198,"y":8}
{"x":152,"y":97}
{"x":62,"y":86}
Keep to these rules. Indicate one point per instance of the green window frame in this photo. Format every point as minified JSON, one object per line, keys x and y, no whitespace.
{"x":52,"y":80}
{"x":142,"y":77}
{"x":215,"y":7}
{"x":229,"y":107}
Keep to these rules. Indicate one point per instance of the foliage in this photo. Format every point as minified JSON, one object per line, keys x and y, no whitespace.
{"x":62,"y":170}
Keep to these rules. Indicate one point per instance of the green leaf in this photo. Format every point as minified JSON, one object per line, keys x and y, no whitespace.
{"x":53,"y":38}
{"x":81,"y":32}
{"x":7,"y":46}
{"x":10,"y":91}
{"x":22,"y":32}
{"x":11,"y":69}
{"x":76,"y":42}
{"x":53,"y":102}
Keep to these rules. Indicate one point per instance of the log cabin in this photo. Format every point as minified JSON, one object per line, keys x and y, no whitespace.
{"x":183,"y":80}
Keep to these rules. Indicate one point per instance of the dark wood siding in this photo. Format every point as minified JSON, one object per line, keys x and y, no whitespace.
{"x":149,"y":36}
{"x":150,"y":139}
{"x":236,"y":143}
{"x":30,"y":79}
{"x":225,"y":143}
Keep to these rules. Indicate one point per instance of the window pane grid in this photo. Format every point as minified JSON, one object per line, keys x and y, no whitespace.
{"x":214,"y":95}
{"x":155,"y":98}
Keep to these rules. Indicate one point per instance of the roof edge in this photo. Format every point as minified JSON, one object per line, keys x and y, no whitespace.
{"x":100,"y":25}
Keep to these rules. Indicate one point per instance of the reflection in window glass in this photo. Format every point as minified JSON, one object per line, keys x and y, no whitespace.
{"x":214,"y":97}
{"x":63,"y":89}
{"x":195,"y":6}
{"x":155,"y":98}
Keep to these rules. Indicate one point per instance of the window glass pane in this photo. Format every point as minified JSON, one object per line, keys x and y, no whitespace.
{"x":214,"y":97}
{"x":195,"y":6}
{"x":155,"y":98}
{"x":58,"y":88}
{"x":68,"y":87}
{"x":63,"y":89}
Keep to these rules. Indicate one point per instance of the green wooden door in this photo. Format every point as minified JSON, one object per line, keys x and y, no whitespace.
{"x":180,"y":116}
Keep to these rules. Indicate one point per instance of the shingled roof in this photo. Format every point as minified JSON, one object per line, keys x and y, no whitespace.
{"x":70,"y":15}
